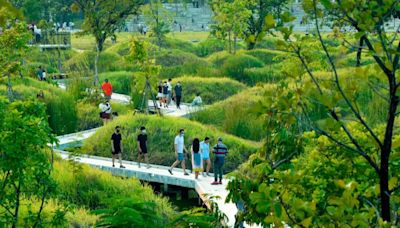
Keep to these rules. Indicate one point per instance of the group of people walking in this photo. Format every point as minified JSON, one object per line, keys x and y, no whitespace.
{"x":167,"y":93}
{"x":200,"y":153}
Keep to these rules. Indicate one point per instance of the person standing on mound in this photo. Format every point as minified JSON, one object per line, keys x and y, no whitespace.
{"x":142,"y":146}
{"x":179,"y":145}
{"x":116,"y":146}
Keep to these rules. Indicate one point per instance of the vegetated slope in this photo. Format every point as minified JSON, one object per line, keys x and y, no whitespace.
{"x":161,"y":134}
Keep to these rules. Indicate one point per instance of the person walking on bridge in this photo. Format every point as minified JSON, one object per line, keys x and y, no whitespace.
{"x":116,"y":146}
{"x":179,"y":145}
{"x":142,"y":146}
{"x":205,"y":154}
{"x":197,"y":161}
{"x":220,"y":151}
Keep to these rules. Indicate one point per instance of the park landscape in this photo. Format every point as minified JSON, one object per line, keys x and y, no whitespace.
{"x":310,"y":117}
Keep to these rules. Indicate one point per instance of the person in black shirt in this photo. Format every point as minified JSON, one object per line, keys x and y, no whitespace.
{"x":116,"y":146}
{"x":142,"y":146}
{"x":165,"y":94}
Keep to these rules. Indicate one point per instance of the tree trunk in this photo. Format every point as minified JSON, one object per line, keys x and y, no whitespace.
{"x":59,"y":60}
{"x":234,"y":43}
{"x":385,"y":154}
{"x":96,"y":62}
{"x":10,"y":95}
{"x":17,"y":203}
{"x":229,"y":42}
{"x":359,"y":50}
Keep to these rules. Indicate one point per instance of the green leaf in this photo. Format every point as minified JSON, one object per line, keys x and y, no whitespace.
{"x":278,"y":209}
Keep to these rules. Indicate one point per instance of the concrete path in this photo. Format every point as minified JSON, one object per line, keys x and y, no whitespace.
{"x":172,"y":110}
{"x":156,"y":173}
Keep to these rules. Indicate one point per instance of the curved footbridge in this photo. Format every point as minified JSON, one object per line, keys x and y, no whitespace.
{"x":155,"y":173}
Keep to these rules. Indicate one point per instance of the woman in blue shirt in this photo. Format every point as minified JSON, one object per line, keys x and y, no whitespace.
{"x":197,"y":162}
{"x":205,"y":152}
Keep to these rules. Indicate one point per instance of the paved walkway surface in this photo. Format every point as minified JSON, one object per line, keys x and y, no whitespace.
{"x":172,"y":110}
{"x":156,"y":173}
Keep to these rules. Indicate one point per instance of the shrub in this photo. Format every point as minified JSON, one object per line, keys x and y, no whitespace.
{"x":185,"y":46}
{"x":269,"y":73}
{"x":162,"y":131}
{"x":209,"y":46}
{"x":211,"y":89}
{"x":91,"y":188}
{"x":235,"y":65}
{"x":108,"y":61}
{"x":218,"y":58}
{"x":62,"y":112}
{"x":177,"y":63}
{"x":120,"y":80}
{"x":266,"y":56}
{"x":60,"y":105}
{"x":234,"y":115}
{"x":88,"y":116}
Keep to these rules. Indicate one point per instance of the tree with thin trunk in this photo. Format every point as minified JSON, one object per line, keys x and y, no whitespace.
{"x":13,"y":48}
{"x":102,"y":19}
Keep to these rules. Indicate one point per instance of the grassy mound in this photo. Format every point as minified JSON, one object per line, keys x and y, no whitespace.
{"x":234,"y":115}
{"x":60,"y":105}
{"x":177,"y":63}
{"x":108,"y":61}
{"x":211,"y":89}
{"x":162,"y":131}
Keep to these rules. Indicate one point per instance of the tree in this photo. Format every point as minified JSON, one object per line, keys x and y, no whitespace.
{"x":13,"y":48}
{"x":26,"y":160}
{"x":159,"y":19}
{"x":349,"y":171}
{"x":258,"y":22}
{"x":102,"y":19}
{"x":231,"y":17}
{"x":8,"y":12}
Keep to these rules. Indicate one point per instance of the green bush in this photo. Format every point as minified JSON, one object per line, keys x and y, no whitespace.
{"x":162,"y":131}
{"x":209,"y":46}
{"x":211,"y":89}
{"x":235,"y":65}
{"x":266,"y":56}
{"x":234,"y":115}
{"x":176,"y":63}
{"x":93,"y":188}
{"x":218,"y":58}
{"x":108,"y":61}
{"x":185,"y":46}
{"x":121,"y":81}
{"x":266,"y":74}
{"x":88,"y":116}
{"x":60,"y":105}
{"x":62,"y":113}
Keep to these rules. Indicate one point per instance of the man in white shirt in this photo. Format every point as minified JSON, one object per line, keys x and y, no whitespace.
{"x":179,"y":145}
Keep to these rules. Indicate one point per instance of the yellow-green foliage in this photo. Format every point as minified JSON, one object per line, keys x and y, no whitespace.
{"x":211,"y":89}
{"x":60,"y":105}
{"x":108,"y":61}
{"x":264,"y":55}
{"x":234,"y":115}
{"x":161,"y":133}
{"x":177,"y":63}
{"x":93,"y":188}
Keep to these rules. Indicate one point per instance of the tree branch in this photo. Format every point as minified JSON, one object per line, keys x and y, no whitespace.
{"x":357,"y":114}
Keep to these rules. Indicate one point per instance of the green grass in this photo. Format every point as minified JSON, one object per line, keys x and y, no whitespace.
{"x":210,"y":89}
{"x":162,"y":131}
{"x":235,"y":116}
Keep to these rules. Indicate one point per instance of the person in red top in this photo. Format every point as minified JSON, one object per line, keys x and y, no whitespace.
{"x":107,"y":89}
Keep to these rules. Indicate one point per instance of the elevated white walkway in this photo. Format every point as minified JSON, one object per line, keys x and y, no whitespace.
{"x":155,"y":173}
